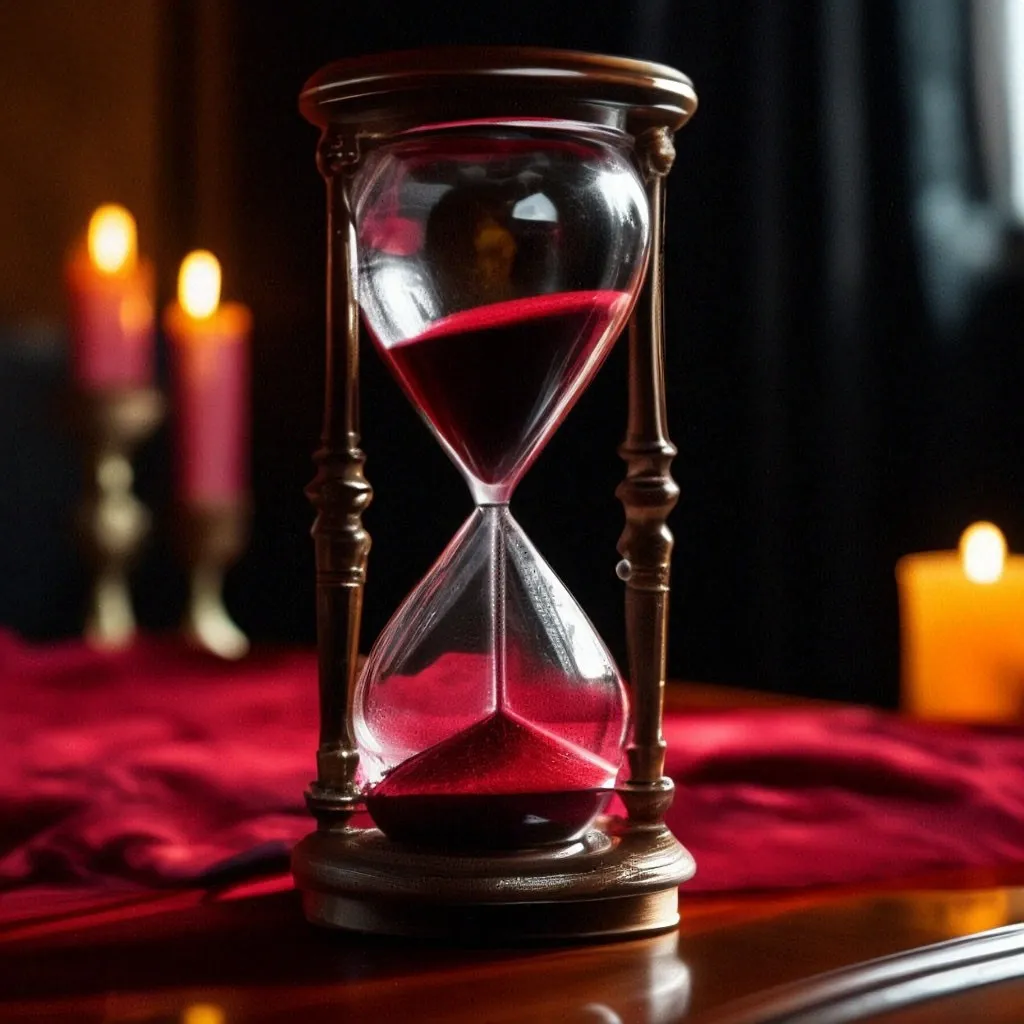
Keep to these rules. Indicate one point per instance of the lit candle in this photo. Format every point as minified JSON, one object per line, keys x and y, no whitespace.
{"x":210,"y":363}
{"x":110,"y":292}
{"x":962,"y":616}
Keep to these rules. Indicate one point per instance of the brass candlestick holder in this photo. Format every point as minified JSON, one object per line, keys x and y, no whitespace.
{"x":496,"y":215}
{"x":212,"y":538}
{"x":112,"y":522}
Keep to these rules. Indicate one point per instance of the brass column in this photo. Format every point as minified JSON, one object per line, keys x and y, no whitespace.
{"x":340,"y":493}
{"x":648,"y":495}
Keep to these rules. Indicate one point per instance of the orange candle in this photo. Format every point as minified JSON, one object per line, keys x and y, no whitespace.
{"x":110,"y":292}
{"x":962,"y":630}
{"x":210,"y":369}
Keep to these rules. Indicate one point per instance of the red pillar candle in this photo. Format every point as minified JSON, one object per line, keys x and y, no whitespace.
{"x":110,"y":293}
{"x":210,"y":369}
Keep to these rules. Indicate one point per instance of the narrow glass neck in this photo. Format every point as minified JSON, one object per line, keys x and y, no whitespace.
{"x":490,"y":494}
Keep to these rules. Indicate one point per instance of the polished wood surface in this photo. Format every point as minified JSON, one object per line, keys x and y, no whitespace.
{"x":940,"y":980}
{"x":257,"y":960}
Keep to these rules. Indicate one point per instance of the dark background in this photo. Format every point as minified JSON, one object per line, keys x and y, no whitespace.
{"x":844,"y":301}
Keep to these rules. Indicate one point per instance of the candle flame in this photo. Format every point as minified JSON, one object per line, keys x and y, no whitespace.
{"x":111,"y":239}
{"x":199,"y":284}
{"x":983,"y":552}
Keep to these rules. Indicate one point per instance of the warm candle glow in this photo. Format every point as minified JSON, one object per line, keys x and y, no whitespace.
{"x":983,"y":552}
{"x":199,"y":284}
{"x":203,"y":1013}
{"x":112,"y":239}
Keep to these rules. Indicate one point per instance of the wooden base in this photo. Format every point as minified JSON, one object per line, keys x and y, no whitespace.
{"x":611,"y":883}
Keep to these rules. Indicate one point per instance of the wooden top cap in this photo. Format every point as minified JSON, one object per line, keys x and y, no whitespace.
{"x":379,"y":94}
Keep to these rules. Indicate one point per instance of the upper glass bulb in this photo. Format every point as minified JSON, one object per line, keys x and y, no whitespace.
{"x":497,"y":265}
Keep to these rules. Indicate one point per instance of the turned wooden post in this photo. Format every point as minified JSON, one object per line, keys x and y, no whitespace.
{"x":340,"y":493}
{"x":648,"y":495}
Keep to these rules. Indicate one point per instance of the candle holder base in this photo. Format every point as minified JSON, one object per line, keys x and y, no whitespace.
{"x":112,"y":522}
{"x":613,"y":882}
{"x":213,"y":537}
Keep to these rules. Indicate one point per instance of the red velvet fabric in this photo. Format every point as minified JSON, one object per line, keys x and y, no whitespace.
{"x":160,"y":767}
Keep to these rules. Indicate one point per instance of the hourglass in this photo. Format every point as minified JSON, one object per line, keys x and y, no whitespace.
{"x":495,"y":220}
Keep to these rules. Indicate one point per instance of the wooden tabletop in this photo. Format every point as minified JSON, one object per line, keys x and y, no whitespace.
{"x":256,"y":959}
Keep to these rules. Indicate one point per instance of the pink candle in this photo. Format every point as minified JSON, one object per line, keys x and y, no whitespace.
{"x":110,"y":297}
{"x":210,"y":369}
